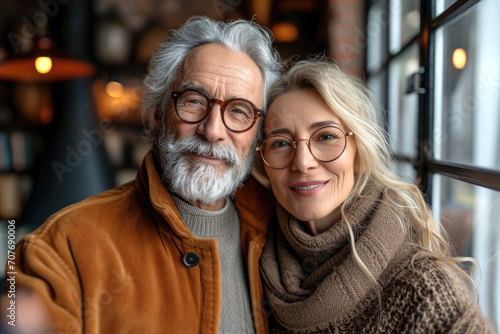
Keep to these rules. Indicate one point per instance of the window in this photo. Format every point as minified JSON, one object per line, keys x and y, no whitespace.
{"x":434,"y":66}
{"x":403,"y":108}
{"x":467,"y":88}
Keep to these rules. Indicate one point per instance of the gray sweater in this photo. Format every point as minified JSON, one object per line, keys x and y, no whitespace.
{"x":224,"y":225}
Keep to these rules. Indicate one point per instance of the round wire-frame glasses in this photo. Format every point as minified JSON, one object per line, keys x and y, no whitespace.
{"x":326,"y":144}
{"x":193,"y":106}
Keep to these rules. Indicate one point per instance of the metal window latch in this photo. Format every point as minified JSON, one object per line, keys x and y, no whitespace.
{"x":415,"y":81}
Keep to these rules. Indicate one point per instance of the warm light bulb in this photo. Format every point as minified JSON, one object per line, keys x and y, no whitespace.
{"x":43,"y":65}
{"x":285,"y":32}
{"x":114,"y":89}
{"x":459,"y":58}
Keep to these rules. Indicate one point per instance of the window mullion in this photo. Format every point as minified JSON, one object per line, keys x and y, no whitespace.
{"x":475,"y":175}
{"x":424,"y":149}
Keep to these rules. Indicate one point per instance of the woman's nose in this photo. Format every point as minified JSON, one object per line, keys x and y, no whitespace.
{"x":304,"y":159}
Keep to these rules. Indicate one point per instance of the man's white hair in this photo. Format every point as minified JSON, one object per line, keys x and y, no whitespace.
{"x":240,"y":35}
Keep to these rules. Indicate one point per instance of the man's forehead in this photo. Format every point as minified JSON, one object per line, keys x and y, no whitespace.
{"x":219,"y":55}
{"x":220,"y":70}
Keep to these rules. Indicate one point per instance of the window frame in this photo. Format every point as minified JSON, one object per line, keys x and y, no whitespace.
{"x":425,"y":164}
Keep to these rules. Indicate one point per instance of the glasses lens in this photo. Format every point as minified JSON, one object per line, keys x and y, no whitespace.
{"x":191,"y":106}
{"x":239,"y":115}
{"x":278,"y":151}
{"x":327,"y":143}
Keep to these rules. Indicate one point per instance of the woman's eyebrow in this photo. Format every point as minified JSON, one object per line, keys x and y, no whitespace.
{"x":316,"y":125}
{"x":313,"y":126}
{"x":280,"y":131}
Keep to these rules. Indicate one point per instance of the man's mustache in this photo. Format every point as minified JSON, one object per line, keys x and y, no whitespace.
{"x":197,"y":146}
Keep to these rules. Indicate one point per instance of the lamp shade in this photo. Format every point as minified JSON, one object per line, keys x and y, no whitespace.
{"x":44,"y":64}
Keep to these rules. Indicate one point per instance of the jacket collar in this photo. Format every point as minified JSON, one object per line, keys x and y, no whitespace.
{"x":154,"y":193}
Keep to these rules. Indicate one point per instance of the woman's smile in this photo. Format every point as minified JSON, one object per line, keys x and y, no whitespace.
{"x":308,"y":188}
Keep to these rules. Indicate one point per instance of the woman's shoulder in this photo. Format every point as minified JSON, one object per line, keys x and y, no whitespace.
{"x":431,"y":278}
{"x":433,"y":295}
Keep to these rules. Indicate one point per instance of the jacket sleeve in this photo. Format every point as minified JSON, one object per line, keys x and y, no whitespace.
{"x":43,"y":286}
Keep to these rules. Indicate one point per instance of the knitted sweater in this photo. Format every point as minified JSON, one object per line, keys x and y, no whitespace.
{"x":223,"y":225}
{"x":314,"y":284}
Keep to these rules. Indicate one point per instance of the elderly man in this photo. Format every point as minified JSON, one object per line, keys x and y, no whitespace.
{"x":166,"y":253}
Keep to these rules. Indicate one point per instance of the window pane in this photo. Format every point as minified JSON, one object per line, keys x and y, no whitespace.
{"x":467,"y":88}
{"x":404,"y":23}
{"x":406,"y":171}
{"x":403,"y":108}
{"x":471,"y":216}
{"x":377,"y":85}
{"x":442,"y":5}
{"x":376,"y":30}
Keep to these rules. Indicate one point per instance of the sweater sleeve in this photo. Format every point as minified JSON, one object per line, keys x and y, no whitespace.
{"x":437,"y":301}
{"x":43,"y":287}
{"x":460,"y":306}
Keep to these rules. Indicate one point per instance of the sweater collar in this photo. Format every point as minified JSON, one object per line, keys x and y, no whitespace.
{"x":208,"y":224}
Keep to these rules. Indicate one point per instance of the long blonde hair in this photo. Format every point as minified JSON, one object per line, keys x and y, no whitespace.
{"x":353,"y":103}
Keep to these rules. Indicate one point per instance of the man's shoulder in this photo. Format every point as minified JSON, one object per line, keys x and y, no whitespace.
{"x":93,"y":212}
{"x":254,"y":194}
{"x":255,"y":204}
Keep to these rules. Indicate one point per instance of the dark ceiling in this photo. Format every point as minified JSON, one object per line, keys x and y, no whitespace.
{"x":142,"y":23}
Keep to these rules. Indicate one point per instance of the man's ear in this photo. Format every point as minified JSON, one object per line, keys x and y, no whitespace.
{"x":158,"y":117}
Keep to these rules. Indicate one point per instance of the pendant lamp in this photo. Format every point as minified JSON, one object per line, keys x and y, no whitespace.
{"x":44,"y":63}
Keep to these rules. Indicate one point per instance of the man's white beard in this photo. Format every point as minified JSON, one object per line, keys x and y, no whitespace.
{"x":194,"y":180}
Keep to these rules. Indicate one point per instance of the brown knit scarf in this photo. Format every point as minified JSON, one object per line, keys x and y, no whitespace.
{"x":313,"y":280}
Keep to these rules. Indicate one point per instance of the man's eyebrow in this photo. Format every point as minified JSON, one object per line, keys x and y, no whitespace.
{"x":184,"y":86}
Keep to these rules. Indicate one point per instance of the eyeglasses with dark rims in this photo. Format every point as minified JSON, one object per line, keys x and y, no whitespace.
{"x":326,"y":144}
{"x":193,"y":106}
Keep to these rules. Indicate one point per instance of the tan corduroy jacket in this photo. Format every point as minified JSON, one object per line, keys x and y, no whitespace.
{"x":115,"y":262}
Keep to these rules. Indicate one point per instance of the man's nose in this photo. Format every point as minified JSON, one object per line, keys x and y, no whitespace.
{"x":304,"y":159}
{"x":212,"y":127}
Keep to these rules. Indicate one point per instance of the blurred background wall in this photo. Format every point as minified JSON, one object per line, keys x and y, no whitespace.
{"x":64,"y":137}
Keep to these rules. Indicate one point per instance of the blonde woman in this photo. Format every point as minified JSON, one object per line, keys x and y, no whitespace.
{"x":353,"y":248}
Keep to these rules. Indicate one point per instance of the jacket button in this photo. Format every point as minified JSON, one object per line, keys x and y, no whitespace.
{"x":191,"y":259}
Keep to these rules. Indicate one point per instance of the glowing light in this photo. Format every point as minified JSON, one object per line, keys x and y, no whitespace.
{"x":114,"y":89}
{"x":285,"y":32}
{"x":459,"y":58}
{"x":43,"y":65}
